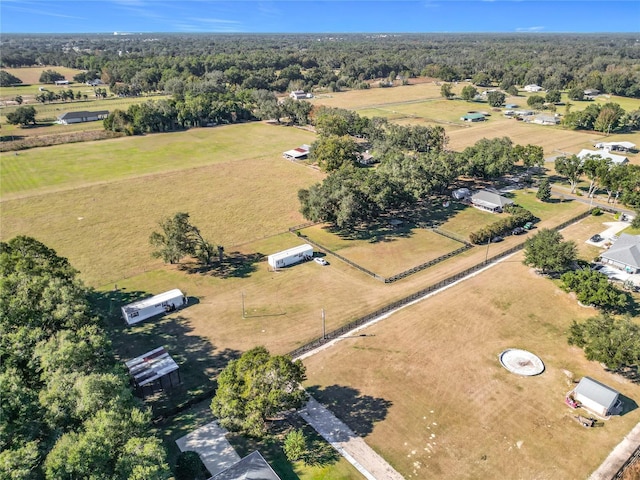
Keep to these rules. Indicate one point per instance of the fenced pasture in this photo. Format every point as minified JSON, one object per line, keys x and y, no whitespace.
{"x":97,"y":203}
{"x":432,"y":369}
{"x":388,"y":251}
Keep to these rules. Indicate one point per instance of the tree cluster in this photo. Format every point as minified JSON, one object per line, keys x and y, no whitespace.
{"x":7,"y":80}
{"x":594,"y":288}
{"x":621,"y":181}
{"x":548,"y":252}
{"x":257,"y":388}
{"x":67,"y":409}
{"x":614,"y":341}
{"x":607,"y":118}
{"x":22,"y":116}
{"x":50,"y":76}
{"x":179,"y":238}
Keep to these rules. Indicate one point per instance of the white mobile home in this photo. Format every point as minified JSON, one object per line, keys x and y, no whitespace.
{"x":142,"y":309}
{"x":291,"y":256}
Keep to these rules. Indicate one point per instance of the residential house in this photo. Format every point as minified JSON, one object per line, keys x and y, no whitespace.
{"x":543,"y":119}
{"x":61,"y":82}
{"x":624,"y":254}
{"x":532,"y":88}
{"x":299,"y":95}
{"x":79,"y":117}
{"x":591,"y":92}
{"x":615,"y":159}
{"x":473,"y":117}
{"x":490,"y":201}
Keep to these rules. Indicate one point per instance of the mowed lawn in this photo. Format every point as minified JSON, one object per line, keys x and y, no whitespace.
{"x":81,"y":164}
{"x":426,"y":390}
{"x":111,"y":194}
{"x":31,"y":75}
{"x":392,"y":253}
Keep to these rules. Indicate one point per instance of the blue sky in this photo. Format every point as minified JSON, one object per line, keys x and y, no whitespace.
{"x":252,"y":16}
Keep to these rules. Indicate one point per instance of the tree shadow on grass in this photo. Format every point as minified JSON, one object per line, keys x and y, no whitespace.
{"x":198,"y":359}
{"x":234,"y":265}
{"x":359,"y":412}
{"x":11,"y":138}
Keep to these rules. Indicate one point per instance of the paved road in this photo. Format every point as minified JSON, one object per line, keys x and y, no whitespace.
{"x":618,"y":456}
{"x":352,"y":447}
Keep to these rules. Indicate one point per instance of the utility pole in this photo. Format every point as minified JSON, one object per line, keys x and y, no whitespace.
{"x":324,"y":331}
{"x":243,"y":311}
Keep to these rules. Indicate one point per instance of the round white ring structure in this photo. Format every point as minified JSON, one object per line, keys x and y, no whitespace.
{"x":521,"y":362}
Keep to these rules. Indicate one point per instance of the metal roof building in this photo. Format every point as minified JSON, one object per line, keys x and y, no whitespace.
{"x":154,"y":370}
{"x":596,"y":396}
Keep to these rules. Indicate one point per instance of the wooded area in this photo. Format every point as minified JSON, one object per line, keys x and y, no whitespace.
{"x":170,"y":62}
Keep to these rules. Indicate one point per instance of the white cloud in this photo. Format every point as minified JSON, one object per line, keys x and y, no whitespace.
{"x":529,"y":29}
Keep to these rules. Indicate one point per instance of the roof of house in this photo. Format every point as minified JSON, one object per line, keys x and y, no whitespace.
{"x":547,"y":118}
{"x":619,"y":159}
{"x":597,"y":392}
{"x":298,"y":152}
{"x":82,"y":114}
{"x":625,"y":250}
{"x":151,"y":366}
{"x":251,"y":467}
{"x":471,"y":116}
{"x":489,"y":199}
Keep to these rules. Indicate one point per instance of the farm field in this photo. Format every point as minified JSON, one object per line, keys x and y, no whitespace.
{"x":422,"y":104}
{"x":425,"y":385}
{"x":31,"y":75}
{"x":83,"y":164}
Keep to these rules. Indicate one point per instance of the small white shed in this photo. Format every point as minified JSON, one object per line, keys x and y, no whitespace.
{"x":142,"y":309}
{"x":291,"y":256}
{"x":596,"y":397}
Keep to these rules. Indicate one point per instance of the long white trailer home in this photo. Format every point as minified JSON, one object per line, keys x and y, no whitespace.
{"x":291,"y":256}
{"x":142,"y":309}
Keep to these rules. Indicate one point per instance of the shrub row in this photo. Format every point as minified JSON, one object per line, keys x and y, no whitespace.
{"x":518,"y":216}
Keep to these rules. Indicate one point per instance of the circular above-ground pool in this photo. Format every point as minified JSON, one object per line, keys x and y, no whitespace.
{"x":521,"y":362}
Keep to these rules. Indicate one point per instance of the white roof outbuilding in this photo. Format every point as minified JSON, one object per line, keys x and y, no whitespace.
{"x":596,"y":397}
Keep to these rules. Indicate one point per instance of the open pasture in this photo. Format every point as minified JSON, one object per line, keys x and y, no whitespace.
{"x":426,"y":389}
{"x":422,"y":104}
{"x":98,"y":203}
{"x":389,"y":251}
{"x":79,"y":165}
{"x":31,"y":75}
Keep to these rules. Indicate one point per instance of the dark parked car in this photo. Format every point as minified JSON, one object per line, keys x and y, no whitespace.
{"x":518,"y":231}
{"x":596,"y":238}
{"x":496,"y":239}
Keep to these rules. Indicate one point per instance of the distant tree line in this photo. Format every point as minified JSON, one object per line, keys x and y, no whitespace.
{"x":67,"y":407}
{"x":150,"y":62}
